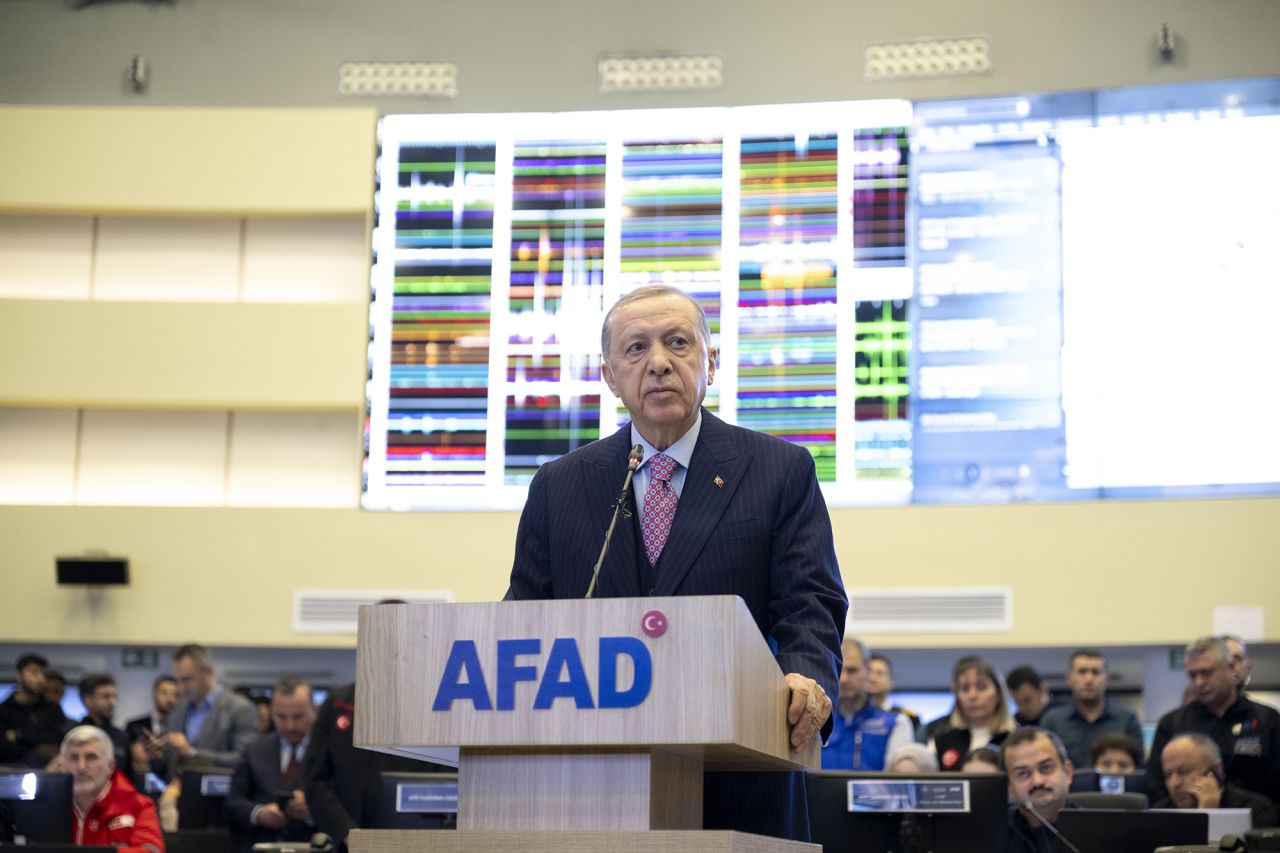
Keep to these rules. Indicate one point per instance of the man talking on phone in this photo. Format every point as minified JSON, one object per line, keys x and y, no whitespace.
{"x":1194,"y":779}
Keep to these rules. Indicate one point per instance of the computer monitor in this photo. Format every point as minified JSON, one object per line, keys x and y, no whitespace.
{"x":202,"y":804}
{"x":37,"y":807}
{"x":972,"y":815}
{"x":417,"y":801}
{"x":1107,"y":831}
{"x":1127,"y":783}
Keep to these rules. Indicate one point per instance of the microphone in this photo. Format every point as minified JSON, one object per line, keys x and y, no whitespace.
{"x":1029,"y":806}
{"x":633,"y":462}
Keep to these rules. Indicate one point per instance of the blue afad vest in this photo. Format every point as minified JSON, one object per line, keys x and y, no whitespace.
{"x":861,"y":744}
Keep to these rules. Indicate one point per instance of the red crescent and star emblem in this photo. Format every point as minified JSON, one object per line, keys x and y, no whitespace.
{"x":950,"y":757}
{"x":342,"y":723}
{"x":654,"y":623}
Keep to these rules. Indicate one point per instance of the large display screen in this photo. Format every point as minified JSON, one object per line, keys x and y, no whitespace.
{"x":1008,"y":299}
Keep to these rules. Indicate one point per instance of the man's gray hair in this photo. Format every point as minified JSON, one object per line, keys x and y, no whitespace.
{"x":650,"y":292}
{"x":1207,"y":745}
{"x":196,"y":653}
{"x":859,"y":645}
{"x":81,"y":735}
{"x":1215,"y":646}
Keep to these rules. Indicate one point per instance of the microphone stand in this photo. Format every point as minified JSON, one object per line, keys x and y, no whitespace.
{"x":1029,"y":806}
{"x":619,"y":506}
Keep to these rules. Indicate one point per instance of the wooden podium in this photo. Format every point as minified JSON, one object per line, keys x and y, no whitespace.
{"x":579,"y":724}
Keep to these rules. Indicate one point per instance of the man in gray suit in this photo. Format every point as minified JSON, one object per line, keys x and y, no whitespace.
{"x":716,"y":510}
{"x":210,"y":725}
{"x":266,"y":802}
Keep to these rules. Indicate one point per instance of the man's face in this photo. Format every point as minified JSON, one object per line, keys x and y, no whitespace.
{"x":1243,"y":665}
{"x":1183,"y":762}
{"x":879,"y":680}
{"x":1087,"y":679}
{"x":292,"y":714}
{"x":1030,"y":700}
{"x":853,"y":676}
{"x":165,"y":697}
{"x":1037,"y":774}
{"x":54,"y":689}
{"x":1116,"y":762}
{"x":658,"y":365}
{"x":194,"y":682}
{"x":1213,"y":680}
{"x":31,"y":679}
{"x":102,"y":702}
{"x":90,"y":765}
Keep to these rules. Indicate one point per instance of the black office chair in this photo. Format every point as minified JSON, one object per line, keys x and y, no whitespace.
{"x":1128,"y":801}
{"x":1267,"y":838}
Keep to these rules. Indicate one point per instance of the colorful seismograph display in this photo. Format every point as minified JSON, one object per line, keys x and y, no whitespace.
{"x":882,"y":428}
{"x":438,"y":373}
{"x":555,"y":303}
{"x":787,"y":292}
{"x":672,"y":223}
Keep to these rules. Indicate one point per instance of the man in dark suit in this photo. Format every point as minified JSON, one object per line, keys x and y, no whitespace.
{"x":146,"y":743}
{"x":266,"y":801}
{"x":716,"y":510}
{"x":211,"y":725}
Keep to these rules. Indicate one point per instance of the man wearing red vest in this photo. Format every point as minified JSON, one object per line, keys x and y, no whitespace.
{"x":108,"y":810}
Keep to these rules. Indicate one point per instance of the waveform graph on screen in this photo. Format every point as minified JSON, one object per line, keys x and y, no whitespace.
{"x":555,"y":302}
{"x":787,"y":290}
{"x":672,"y":223}
{"x":882,"y":334}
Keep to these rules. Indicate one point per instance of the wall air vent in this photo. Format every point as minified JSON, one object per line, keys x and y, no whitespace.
{"x":333,"y":611}
{"x":930,"y":610}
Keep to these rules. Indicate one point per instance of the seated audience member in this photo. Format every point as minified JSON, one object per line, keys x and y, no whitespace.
{"x":99,"y":695}
{"x":880,"y":688}
{"x":210,"y":725}
{"x":146,"y":733}
{"x":1247,"y":733}
{"x":1194,"y":779}
{"x":28,"y":720}
{"x":107,"y":808}
{"x":1115,"y":754}
{"x":980,"y":715}
{"x":1090,"y":714}
{"x":862,"y":734}
{"x":341,"y":782}
{"x":55,"y":688}
{"x":912,"y":758}
{"x":269,"y":773}
{"x":984,"y":759}
{"x":1030,"y":694}
{"x":1039,"y":779}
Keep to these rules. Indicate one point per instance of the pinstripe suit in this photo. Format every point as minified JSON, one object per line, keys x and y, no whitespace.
{"x":764,"y":534}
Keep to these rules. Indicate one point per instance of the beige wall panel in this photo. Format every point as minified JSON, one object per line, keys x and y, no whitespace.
{"x":167,"y":260}
{"x":214,"y":161}
{"x":306,"y":260}
{"x":197,"y":355}
{"x":294,"y":459}
{"x":37,"y":455}
{"x":45,"y":257}
{"x":152,"y":458}
{"x":1121,"y":573}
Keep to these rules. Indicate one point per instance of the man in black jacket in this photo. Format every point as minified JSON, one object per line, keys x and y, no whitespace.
{"x":1193,"y":775}
{"x":27,"y":719}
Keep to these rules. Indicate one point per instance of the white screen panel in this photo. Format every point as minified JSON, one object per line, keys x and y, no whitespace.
{"x":45,"y":257}
{"x":306,"y":260}
{"x":37,"y":455}
{"x":294,"y":459}
{"x":168,"y":259}
{"x":152,"y":458}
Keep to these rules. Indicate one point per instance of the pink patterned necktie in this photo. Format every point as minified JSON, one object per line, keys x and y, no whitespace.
{"x":659,"y":506}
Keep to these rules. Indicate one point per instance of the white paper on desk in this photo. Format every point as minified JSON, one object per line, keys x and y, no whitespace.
{"x":1244,"y":620}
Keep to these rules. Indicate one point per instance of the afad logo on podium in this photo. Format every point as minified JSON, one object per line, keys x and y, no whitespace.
{"x":563,"y":674}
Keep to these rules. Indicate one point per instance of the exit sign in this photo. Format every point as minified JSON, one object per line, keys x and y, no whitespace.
{"x":139,"y":658}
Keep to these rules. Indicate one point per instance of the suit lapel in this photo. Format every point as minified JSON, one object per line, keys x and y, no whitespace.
{"x":274,"y":776}
{"x":603,"y":480}
{"x":702,"y":501}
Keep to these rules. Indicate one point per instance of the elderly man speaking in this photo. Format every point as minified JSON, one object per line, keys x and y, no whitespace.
{"x":717,"y":510}
{"x":108,"y":809}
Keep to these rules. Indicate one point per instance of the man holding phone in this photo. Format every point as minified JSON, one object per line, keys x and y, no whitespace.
{"x":1194,"y":778}
{"x":266,"y":802}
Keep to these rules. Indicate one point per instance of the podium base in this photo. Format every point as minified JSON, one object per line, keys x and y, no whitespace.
{"x":567,"y":841}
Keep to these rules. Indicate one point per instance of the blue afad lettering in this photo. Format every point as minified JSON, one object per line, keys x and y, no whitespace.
{"x":563,"y":675}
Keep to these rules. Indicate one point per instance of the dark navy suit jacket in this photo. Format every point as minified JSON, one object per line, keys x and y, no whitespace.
{"x":751,"y":522}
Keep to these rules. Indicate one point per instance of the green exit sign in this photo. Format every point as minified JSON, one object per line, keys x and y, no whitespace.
{"x":139,"y":658}
{"x":1177,"y":659}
